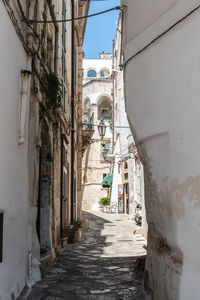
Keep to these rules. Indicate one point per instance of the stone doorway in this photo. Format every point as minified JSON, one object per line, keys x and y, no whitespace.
{"x":44,"y":218}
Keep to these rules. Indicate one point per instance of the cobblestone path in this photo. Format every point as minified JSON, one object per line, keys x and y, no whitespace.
{"x":101,"y":267}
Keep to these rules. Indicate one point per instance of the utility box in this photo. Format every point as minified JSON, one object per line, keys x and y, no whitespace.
{"x":1,"y":235}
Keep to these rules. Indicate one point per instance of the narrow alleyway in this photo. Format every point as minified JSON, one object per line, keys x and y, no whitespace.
{"x":101,"y":267}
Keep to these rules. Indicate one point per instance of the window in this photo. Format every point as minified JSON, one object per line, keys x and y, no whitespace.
{"x":104,"y":73}
{"x":126,"y":176}
{"x":92,"y":73}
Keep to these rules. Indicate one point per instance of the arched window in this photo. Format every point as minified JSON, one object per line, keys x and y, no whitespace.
{"x":92,"y":73}
{"x":104,"y":73}
{"x":105,"y":109}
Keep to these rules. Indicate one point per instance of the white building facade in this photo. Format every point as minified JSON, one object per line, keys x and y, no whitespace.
{"x":161,"y":72}
{"x":127,"y":187}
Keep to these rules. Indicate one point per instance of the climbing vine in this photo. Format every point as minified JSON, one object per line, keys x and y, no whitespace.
{"x":53,"y":91}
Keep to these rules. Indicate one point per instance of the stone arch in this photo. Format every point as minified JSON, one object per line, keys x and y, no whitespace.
{"x":104,"y":72}
{"x":104,"y":107}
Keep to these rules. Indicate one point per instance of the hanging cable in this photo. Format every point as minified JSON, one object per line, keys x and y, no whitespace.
{"x":77,"y":18}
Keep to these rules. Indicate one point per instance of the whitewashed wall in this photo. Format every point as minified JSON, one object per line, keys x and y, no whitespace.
{"x":162,"y":88}
{"x":123,"y":135}
{"x":18,"y":231}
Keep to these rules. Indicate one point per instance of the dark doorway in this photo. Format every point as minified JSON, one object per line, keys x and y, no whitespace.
{"x":74,"y":198}
{"x":44,"y":226}
{"x":120,"y":199}
{"x":126,"y":195}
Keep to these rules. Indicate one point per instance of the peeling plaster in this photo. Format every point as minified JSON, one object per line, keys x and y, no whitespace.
{"x":175,"y":194}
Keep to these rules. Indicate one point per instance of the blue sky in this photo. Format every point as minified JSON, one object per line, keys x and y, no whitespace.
{"x":100,"y":30}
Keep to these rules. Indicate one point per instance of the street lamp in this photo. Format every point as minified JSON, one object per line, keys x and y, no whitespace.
{"x":104,"y":153}
{"x":102,"y":129}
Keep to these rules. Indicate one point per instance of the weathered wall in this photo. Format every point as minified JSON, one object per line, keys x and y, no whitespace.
{"x":31,"y":170}
{"x":162,"y":88}
{"x":18,"y":215}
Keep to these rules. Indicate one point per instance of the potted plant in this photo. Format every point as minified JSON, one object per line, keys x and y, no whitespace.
{"x":105,"y":203}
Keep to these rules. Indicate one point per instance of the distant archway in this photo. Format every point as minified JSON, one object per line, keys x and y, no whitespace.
{"x":104,"y":108}
{"x":104,"y":73}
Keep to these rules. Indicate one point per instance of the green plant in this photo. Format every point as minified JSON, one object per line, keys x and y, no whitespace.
{"x":53,"y":91}
{"x":71,"y":230}
{"x":76,"y":225}
{"x":104,"y":201}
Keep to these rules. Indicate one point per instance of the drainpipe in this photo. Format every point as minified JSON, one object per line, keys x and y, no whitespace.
{"x":56,"y":51}
{"x":25,"y":75}
{"x":72,"y":111}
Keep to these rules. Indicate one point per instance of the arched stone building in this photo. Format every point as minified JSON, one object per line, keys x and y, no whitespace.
{"x":97,"y":105}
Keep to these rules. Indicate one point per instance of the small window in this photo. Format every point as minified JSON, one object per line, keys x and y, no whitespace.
{"x":102,"y":74}
{"x":92,"y":73}
{"x":125,"y":165}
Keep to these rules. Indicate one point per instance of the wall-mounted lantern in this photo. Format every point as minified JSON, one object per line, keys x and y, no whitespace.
{"x":102,"y":129}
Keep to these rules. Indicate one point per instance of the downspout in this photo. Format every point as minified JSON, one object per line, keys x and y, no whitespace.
{"x":61,"y":192}
{"x":72,"y":111}
{"x":56,"y":51}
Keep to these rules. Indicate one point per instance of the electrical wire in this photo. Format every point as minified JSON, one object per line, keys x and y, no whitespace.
{"x":77,"y":18}
{"x":122,"y":65}
{"x":96,"y":125}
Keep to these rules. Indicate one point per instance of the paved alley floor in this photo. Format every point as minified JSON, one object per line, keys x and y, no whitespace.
{"x":101,"y":267}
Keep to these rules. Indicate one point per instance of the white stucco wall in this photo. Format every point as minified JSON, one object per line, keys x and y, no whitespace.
{"x":17,"y":231}
{"x":122,"y":137}
{"x":97,"y":64}
{"x":162,"y":88}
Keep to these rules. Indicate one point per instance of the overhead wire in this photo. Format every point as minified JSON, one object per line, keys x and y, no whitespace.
{"x":78,"y":18}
